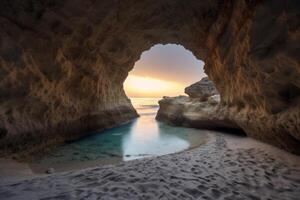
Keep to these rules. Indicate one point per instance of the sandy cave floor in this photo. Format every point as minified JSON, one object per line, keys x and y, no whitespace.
{"x":226,"y":167}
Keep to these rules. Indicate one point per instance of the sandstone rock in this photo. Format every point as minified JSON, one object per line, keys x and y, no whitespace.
{"x":63,"y":63}
{"x":190,"y":112}
{"x":201,"y":89}
{"x":210,"y":114}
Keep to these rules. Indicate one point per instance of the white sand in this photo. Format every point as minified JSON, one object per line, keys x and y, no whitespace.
{"x":227,"y":167}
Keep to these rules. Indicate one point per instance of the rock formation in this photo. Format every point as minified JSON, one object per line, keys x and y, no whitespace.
{"x":63,"y":63}
{"x":202,"y":89}
{"x":202,"y":109}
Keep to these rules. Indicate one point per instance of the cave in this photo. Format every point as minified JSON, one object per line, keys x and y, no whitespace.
{"x":53,"y":52}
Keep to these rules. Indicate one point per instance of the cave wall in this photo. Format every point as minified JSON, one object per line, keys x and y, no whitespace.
{"x":63,"y":63}
{"x":254,"y":63}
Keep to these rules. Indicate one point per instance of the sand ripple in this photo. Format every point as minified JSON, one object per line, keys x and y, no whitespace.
{"x":212,"y":171}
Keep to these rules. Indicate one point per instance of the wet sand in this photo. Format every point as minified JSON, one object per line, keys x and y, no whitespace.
{"x":226,"y":167}
{"x":11,"y":171}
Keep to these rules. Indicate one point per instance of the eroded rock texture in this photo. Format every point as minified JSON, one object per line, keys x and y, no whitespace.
{"x":201,"y":109}
{"x":201,"y":89}
{"x":63,"y":62}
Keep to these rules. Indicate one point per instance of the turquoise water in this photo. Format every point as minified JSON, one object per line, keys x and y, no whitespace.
{"x":143,"y":137}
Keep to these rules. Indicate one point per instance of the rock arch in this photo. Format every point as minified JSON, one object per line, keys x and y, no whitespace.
{"x":63,"y":63}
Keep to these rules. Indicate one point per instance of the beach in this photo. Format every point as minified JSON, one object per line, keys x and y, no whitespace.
{"x":226,"y":167}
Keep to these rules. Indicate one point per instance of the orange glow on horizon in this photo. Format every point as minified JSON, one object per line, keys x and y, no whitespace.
{"x":140,"y":86}
{"x":164,"y":70}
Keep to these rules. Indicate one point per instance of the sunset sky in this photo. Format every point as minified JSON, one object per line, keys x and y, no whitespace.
{"x":164,"y":70}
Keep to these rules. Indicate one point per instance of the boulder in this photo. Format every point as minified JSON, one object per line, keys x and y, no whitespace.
{"x":201,"y":89}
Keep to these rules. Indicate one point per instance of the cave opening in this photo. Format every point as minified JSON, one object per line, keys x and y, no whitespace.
{"x":163,"y":70}
{"x":171,"y":76}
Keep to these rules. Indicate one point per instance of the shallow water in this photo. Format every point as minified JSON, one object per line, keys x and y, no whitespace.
{"x":143,"y":137}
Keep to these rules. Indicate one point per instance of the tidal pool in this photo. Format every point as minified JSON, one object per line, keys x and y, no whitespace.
{"x":142,"y":137}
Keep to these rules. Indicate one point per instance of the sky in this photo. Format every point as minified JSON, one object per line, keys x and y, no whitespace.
{"x":164,"y":70}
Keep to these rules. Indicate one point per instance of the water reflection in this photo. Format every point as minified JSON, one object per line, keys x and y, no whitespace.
{"x":146,"y":138}
{"x":140,"y":138}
